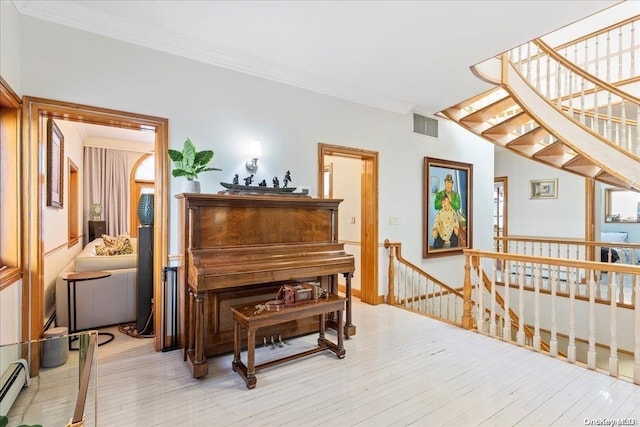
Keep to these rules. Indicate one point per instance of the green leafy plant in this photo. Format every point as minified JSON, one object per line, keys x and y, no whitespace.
{"x":189,"y":162}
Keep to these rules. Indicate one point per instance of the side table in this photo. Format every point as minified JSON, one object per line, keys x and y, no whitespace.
{"x":72,"y":278}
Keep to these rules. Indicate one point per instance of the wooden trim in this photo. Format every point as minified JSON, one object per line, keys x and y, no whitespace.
{"x":134,"y":190}
{"x":505,"y":219}
{"x":369,"y":204}
{"x":35,"y":109}
{"x":73,"y":204}
{"x":590,"y":216}
{"x":10,"y":173}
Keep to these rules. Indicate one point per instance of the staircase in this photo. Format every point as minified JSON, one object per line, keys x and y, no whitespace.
{"x":575,"y":107}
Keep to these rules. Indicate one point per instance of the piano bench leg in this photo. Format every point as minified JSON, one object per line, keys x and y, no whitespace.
{"x":349,"y":330}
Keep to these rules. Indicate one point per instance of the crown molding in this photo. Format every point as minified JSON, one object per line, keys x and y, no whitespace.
{"x":71,"y":14}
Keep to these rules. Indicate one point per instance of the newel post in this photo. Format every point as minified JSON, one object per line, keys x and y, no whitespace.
{"x":467,"y":319}
{"x":391,"y":294}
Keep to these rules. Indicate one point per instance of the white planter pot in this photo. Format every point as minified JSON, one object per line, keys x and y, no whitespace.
{"x":191,"y":186}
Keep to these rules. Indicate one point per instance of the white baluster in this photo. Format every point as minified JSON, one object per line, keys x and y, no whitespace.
{"x":558,"y":85}
{"x":609,"y":130}
{"x":623,"y":126}
{"x":520,"y":334}
{"x":480,"y":287}
{"x":591,"y":353}
{"x":633,"y":50}
{"x":636,"y":321}
{"x":506,"y":333}
{"x":553,"y":342}
{"x":583,"y":107}
{"x":620,"y":59}
{"x":597,"y":64}
{"x":621,"y":288}
{"x":613,"y":354}
{"x":571,"y":349}
{"x":492,"y":322}
{"x":536,"y":309}
{"x":608,"y":59}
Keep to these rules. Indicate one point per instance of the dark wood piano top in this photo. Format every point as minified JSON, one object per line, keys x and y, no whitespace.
{"x":240,"y":239}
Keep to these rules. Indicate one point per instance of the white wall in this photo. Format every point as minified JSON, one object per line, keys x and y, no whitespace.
{"x":55,"y":221}
{"x":224,"y":110}
{"x":10,"y":45}
{"x":561,"y":217}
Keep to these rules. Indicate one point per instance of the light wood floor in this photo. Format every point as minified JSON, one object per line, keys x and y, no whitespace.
{"x":400,"y":369}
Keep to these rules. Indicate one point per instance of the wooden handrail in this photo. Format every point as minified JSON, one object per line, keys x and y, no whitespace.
{"x":598,"y":32}
{"x":579,"y":71}
{"x":398,"y":249}
{"x":589,"y":265}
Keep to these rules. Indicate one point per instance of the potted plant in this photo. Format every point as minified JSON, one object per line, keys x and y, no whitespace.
{"x":189,"y":163}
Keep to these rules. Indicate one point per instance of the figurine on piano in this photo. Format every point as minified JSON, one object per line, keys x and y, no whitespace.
{"x":287,"y":179}
{"x":248,"y":180}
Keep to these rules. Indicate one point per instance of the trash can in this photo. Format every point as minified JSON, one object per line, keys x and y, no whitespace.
{"x":55,"y":349}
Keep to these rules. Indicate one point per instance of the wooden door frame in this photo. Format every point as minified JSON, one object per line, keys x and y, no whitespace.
{"x":505,"y":218}
{"x":369,"y":211}
{"x":134,"y":187}
{"x":34,"y":182}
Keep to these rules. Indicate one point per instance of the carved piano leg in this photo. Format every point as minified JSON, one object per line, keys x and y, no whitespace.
{"x":349,"y":328}
{"x":200,"y":365}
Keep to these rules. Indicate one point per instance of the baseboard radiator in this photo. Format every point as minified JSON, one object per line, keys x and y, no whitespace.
{"x":13,"y":379}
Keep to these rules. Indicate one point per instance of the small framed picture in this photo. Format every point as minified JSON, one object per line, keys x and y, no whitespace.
{"x":55,"y":165}
{"x":543,"y":189}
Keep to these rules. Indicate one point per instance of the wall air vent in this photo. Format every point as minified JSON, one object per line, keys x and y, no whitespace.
{"x":425,"y":125}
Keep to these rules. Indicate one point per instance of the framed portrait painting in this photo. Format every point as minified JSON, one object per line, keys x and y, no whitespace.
{"x":447,"y":216}
{"x":55,"y":165}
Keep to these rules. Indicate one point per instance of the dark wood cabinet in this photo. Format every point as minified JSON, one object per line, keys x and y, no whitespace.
{"x":96,"y":229}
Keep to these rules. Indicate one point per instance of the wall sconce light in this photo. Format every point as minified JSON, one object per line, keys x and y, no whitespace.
{"x":255,"y":153}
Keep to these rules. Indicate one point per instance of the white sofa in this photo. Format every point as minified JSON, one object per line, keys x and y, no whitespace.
{"x":100,"y":302}
{"x":626,"y":255}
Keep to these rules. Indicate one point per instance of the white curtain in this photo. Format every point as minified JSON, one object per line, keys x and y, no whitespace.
{"x":106,"y":181}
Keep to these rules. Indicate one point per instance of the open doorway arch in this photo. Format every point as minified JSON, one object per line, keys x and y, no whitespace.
{"x":368,"y":268}
{"x":142,"y":180}
{"x":35,"y":111}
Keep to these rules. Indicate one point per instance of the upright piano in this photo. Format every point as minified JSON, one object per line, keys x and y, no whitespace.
{"x":240,"y":248}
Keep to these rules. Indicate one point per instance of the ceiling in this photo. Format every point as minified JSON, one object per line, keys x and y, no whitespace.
{"x":398,"y":56}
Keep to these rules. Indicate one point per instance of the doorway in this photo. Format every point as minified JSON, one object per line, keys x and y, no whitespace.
{"x":368,"y":268}
{"x":500,"y":214}
{"x":35,"y":110}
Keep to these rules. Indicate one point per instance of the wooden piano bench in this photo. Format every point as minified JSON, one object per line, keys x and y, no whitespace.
{"x":248,"y":317}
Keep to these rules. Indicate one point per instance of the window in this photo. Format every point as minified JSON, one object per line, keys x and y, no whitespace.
{"x":621,"y":205}
{"x":10,"y":178}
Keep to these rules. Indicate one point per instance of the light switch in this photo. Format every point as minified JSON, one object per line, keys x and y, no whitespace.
{"x":393,"y":220}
